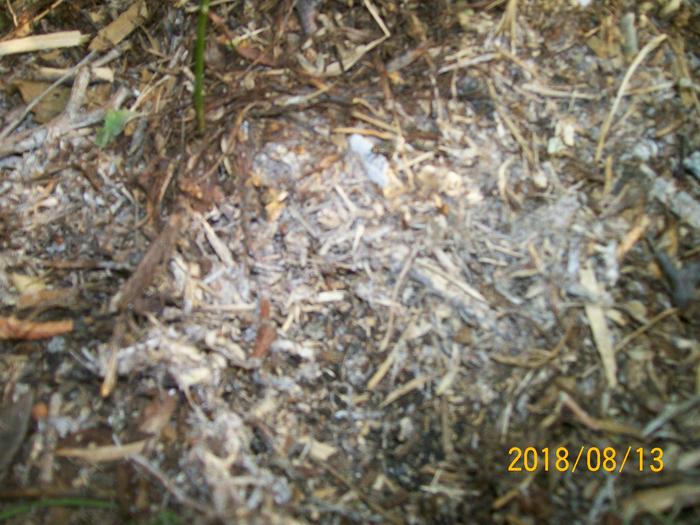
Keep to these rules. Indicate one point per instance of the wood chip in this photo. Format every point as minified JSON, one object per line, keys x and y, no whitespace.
{"x":13,"y":328}
{"x":121,"y":28}
{"x":599,"y":327}
{"x":103,"y":454}
{"x":42,"y":42}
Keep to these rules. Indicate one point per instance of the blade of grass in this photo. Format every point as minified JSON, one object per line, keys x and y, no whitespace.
{"x":199,"y":62}
{"x":25,"y":508}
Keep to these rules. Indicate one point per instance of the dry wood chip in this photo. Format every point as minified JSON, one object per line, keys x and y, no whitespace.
{"x":659,"y":500}
{"x":13,"y":328}
{"x":633,"y":236}
{"x":15,"y":420}
{"x":122,"y":27}
{"x":679,"y":202}
{"x":413,"y":384}
{"x":386,"y":364}
{"x":217,"y":244}
{"x":97,"y":74}
{"x":103,"y":454}
{"x":26,"y":284}
{"x":599,"y":327}
{"x":48,"y":298}
{"x":318,"y":450}
{"x":306,"y":9}
{"x":451,"y":287}
{"x":449,"y":378}
{"x":42,"y":42}
{"x":330,"y":297}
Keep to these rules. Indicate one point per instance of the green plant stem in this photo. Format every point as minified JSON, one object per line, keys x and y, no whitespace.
{"x":199,"y":62}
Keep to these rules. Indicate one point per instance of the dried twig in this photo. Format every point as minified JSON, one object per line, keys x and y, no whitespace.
{"x":181,"y":497}
{"x":621,"y":91}
{"x":159,"y":250}
{"x":389,"y":516}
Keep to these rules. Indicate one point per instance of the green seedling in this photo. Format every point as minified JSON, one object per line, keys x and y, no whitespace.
{"x":115,"y":120}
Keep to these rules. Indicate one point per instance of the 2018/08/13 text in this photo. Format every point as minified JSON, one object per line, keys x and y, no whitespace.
{"x":592,"y":459}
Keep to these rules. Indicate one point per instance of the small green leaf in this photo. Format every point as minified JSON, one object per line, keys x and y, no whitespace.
{"x":115,"y":120}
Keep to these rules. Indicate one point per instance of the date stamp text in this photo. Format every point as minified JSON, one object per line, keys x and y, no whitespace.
{"x":591,"y":459}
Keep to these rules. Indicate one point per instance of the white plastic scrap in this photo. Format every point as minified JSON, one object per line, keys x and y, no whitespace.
{"x":376,"y":166}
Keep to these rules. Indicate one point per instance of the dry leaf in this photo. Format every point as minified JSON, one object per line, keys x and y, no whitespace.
{"x":157,"y":414}
{"x":26,"y":284}
{"x":49,"y":106}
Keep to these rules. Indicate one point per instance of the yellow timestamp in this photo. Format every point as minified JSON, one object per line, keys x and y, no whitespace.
{"x":592,"y":459}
